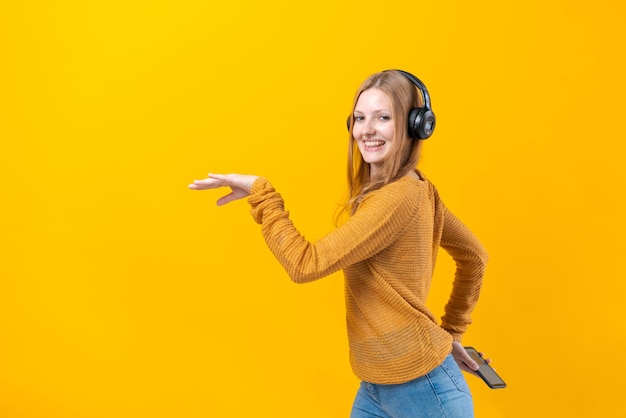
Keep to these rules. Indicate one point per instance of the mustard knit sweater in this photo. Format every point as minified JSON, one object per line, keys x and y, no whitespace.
{"x":387,"y":251}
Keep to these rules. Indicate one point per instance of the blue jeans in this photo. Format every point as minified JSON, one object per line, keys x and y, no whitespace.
{"x":441,"y":393}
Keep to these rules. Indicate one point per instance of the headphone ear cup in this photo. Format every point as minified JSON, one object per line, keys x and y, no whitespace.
{"x":348,"y":122}
{"x":421,"y":123}
{"x":413,"y":123}
{"x":427,"y":124}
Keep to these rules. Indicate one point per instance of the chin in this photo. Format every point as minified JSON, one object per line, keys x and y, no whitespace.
{"x":373,"y":159}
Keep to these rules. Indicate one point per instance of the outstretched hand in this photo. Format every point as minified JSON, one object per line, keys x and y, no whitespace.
{"x":463,"y":359}
{"x":239,"y":185}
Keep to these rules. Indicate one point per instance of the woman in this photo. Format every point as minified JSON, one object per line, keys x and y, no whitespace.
{"x":387,"y":248}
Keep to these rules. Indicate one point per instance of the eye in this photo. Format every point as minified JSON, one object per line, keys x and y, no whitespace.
{"x":385,"y":117}
{"x":358,"y":118}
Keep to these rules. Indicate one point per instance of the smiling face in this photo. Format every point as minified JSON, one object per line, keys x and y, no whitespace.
{"x":374,"y":128}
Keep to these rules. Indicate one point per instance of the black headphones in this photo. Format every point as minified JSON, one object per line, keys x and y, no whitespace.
{"x":421,"y":120}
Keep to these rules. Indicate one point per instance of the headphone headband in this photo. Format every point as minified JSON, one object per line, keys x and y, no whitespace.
{"x":418,"y":83}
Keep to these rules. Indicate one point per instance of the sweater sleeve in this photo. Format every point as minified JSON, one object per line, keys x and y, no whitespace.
{"x":379,"y":220}
{"x":470,"y":258}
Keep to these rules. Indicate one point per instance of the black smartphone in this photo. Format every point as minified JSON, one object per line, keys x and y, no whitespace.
{"x":485,"y":371}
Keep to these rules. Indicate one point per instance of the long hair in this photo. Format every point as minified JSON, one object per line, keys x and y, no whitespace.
{"x":404,"y":152}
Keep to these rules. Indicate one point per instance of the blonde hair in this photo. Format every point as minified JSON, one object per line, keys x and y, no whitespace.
{"x":405,"y":151}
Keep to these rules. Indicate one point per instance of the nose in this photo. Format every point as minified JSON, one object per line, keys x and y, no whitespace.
{"x":368,"y":127}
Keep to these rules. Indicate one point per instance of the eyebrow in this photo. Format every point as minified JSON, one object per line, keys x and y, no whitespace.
{"x":375,"y":111}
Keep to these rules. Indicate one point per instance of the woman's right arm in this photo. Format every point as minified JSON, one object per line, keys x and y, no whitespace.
{"x":378,"y":222}
{"x":380,"y":219}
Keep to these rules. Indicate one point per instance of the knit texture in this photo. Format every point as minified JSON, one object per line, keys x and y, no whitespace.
{"x":387,"y":251}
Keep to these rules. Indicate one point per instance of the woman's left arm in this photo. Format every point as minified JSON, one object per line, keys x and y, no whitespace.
{"x":471,"y":259}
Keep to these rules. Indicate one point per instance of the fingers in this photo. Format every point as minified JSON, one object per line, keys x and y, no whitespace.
{"x":235,"y":181}
{"x":239,"y":184}
{"x":464,"y":364}
{"x":221,"y":177}
{"x":463,"y":359}
{"x":467,"y":368}
{"x":212,"y":182}
{"x":227,"y":199}
{"x":471,"y":364}
{"x":200,"y":185}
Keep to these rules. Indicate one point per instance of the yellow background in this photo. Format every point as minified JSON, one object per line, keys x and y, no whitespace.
{"x":124,"y":294}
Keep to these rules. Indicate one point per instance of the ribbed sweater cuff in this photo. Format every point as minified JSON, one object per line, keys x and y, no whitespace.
{"x":263,"y":196}
{"x":257,"y":185}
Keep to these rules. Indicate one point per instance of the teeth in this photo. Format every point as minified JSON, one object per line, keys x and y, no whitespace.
{"x":374,"y":143}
